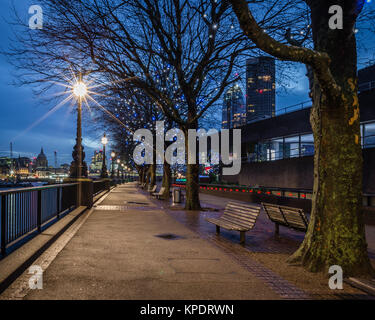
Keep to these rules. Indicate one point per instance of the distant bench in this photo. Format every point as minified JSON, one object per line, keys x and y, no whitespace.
{"x":289,"y":217}
{"x":152,"y":189}
{"x":160,"y":194}
{"x":237,"y":217}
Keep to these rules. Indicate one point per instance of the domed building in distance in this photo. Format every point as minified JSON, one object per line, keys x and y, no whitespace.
{"x":41,"y":161}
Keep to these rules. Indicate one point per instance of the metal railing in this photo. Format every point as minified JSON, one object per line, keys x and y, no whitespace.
{"x":295,"y":107}
{"x":26,"y":210}
{"x":366,"y":86}
{"x":296,"y":193}
{"x":99,"y":186}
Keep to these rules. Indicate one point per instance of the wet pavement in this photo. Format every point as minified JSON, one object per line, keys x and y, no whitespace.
{"x":135,"y":247}
{"x":128,"y":248}
{"x":260,"y":239}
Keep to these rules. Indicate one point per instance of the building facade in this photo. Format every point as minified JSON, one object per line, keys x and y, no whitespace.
{"x":96,"y":162}
{"x":260,"y":88}
{"x":278,"y":152}
{"x":234,"y":111}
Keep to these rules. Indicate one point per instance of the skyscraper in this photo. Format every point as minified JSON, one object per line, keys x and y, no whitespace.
{"x":97,"y":161}
{"x":260,"y":88}
{"x":234,"y":110}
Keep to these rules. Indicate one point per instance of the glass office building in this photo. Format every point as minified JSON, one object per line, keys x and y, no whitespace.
{"x":260,"y":88}
{"x":234,"y":111}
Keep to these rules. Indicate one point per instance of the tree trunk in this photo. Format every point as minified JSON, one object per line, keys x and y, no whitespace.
{"x":192,"y":187}
{"x":141,"y":174}
{"x":166,"y":180}
{"x":336,"y":234}
{"x":152,"y":175}
{"x":192,"y":179}
{"x":148,"y":176}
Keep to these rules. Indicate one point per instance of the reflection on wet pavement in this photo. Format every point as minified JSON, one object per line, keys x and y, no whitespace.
{"x":260,"y":239}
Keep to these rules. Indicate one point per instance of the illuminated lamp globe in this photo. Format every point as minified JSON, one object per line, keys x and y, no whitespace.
{"x":80,"y":89}
{"x":104,"y":140}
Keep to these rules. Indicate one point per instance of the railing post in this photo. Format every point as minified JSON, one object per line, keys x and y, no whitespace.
{"x":58,"y":206}
{"x":39,"y":216}
{"x":3,"y":225}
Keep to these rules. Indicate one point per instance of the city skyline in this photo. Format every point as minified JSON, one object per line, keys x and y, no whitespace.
{"x":21,"y":108}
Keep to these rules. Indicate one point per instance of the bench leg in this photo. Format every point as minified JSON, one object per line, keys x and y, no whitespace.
{"x":217,"y":230}
{"x":242,"y":237}
{"x":277,"y":231}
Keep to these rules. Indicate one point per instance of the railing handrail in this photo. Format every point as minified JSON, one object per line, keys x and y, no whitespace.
{"x":50,"y":186}
{"x":368,"y":85}
{"x":302,"y":105}
{"x":234,"y":186}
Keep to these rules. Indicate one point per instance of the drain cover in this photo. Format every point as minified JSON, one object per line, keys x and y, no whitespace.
{"x":135,"y":202}
{"x":169,"y":236}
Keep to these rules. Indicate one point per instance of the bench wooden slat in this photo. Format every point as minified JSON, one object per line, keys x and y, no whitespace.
{"x":286,"y":216}
{"x":240,"y":214}
{"x":238,"y":217}
{"x":226,"y":224}
{"x":241,"y":208}
{"x":244,"y":220}
{"x":247,"y":226}
{"x":238,"y":224}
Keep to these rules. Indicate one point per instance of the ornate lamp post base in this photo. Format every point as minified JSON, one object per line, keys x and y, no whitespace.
{"x":74,"y":166}
{"x":104,"y":172}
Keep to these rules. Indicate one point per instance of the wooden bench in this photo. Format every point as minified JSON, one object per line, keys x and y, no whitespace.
{"x":158,"y":194}
{"x":152,"y":189}
{"x":289,"y":217}
{"x":237,"y":217}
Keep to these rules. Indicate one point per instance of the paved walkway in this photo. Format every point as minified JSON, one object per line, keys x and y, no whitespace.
{"x":131,"y":247}
{"x":118,"y":254}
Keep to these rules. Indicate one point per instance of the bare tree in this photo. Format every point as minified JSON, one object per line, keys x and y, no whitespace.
{"x":197,"y":39}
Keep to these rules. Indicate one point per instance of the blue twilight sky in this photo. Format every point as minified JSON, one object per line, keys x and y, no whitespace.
{"x":20,"y":108}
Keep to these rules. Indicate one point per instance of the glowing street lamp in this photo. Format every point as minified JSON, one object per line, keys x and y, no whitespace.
{"x":80,"y":91}
{"x":118,"y":168}
{"x":122,"y":171}
{"x":113,"y":155}
{"x":104,"y":173}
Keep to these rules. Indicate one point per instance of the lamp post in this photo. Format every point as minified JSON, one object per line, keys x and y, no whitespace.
{"x":126,"y":172}
{"x":118,"y":168}
{"x":104,"y":173}
{"x":79,"y":90}
{"x":113,"y":155}
{"x":122,"y":171}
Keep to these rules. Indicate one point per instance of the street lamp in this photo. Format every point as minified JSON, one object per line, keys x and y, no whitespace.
{"x":104,"y":173}
{"x":113,"y":155}
{"x":118,"y":168}
{"x":79,"y":90}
